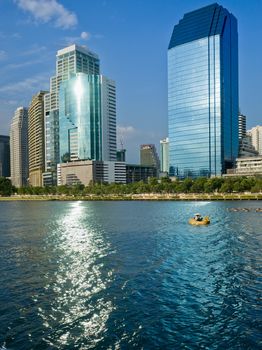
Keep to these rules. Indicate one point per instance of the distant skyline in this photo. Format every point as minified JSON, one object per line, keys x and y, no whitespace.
{"x":131,"y":39}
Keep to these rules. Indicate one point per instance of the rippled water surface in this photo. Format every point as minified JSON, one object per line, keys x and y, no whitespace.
{"x":129,"y":275}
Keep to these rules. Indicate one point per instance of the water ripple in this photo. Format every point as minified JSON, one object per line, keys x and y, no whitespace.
{"x":128,"y":275}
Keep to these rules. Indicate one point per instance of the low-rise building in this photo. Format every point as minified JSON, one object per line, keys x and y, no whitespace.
{"x":249,"y":166}
{"x":136,"y":172}
{"x":88,"y":171}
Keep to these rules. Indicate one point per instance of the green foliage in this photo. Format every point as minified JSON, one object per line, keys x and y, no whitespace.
{"x":6,"y":188}
{"x":200,"y":185}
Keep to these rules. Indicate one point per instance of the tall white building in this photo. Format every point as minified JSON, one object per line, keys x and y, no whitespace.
{"x":108,"y":112}
{"x":19,"y":147}
{"x":256,"y":137}
{"x":69,"y":61}
{"x":80,"y":112}
{"x":164,"y":155}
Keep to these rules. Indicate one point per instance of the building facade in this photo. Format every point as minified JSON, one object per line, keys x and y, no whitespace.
{"x":249,"y":166}
{"x":87,"y":118}
{"x":108,"y":112}
{"x":90,"y":171}
{"x":203,"y":93}
{"x":256,"y":137}
{"x":149,"y":156}
{"x":19,"y":147}
{"x":36,"y":139}
{"x":136,"y":173}
{"x":242,"y":126}
{"x":80,"y":112}
{"x":4,"y":156}
{"x":69,"y":61}
{"x":164,"y":155}
{"x":246,"y":148}
{"x":80,"y":127}
{"x":121,"y":155}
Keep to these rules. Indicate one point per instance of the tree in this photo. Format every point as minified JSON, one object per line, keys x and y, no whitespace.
{"x":227,"y":187}
{"x":6,"y":187}
{"x":184,"y":186}
{"x":199,"y":185}
{"x":165,"y":180}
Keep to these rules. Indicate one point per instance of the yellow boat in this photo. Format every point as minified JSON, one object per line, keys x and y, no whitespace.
{"x":205,"y":221}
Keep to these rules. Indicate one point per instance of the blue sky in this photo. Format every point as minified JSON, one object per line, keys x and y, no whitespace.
{"x":131,"y":38}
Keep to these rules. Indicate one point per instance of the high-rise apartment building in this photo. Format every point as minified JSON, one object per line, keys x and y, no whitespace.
{"x":242,"y":126}
{"x":256,"y":137}
{"x":164,"y":155}
{"x":4,"y":156}
{"x":149,"y":156}
{"x":69,"y":61}
{"x":108,"y":120}
{"x":203,"y":93}
{"x":36,"y":139}
{"x":19,"y":147}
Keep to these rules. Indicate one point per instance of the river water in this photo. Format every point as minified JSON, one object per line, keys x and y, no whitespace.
{"x":130,"y":275}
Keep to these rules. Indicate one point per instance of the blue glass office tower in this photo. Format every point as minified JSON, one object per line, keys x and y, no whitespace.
{"x":80,"y":118}
{"x":203,"y":93}
{"x":87,"y":118}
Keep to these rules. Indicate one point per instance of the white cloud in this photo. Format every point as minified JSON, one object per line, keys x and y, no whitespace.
{"x":30,"y":85}
{"x":130,"y":138}
{"x":3,"y":55}
{"x":46,"y":11}
{"x":85,"y":35}
{"x":126,"y":131}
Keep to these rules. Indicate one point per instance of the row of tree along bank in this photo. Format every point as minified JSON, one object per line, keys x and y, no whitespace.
{"x":164,"y":186}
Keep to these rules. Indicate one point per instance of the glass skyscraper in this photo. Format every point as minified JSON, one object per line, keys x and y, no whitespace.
{"x":203,"y":93}
{"x":87,"y":118}
{"x":80,"y":118}
{"x":69,"y":61}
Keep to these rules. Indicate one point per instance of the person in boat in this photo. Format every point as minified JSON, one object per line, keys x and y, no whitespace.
{"x":198,"y":217}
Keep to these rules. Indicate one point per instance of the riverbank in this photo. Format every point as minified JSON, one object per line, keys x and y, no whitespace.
{"x":139,"y":197}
